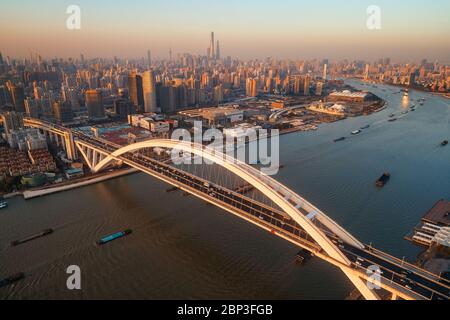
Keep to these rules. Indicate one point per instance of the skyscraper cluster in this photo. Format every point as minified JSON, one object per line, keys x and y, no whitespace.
{"x":213,"y":51}
{"x":85,"y":89}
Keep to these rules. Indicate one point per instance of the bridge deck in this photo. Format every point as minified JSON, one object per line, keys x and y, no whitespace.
{"x":396,"y":274}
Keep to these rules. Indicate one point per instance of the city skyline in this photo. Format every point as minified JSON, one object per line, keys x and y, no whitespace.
{"x":298,"y":30}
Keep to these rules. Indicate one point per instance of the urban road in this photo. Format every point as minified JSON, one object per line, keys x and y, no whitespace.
{"x":397,"y":273}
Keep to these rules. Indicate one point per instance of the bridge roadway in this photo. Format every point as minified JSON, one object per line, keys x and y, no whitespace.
{"x":398,"y":274}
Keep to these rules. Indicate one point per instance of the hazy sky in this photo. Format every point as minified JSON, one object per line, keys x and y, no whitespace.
{"x":411,"y":29}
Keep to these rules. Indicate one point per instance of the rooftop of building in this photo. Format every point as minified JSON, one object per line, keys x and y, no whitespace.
{"x":347,"y":93}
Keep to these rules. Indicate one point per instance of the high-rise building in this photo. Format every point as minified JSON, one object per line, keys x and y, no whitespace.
{"x":212,"y":52}
{"x":251,"y":87}
{"x":94,"y":104}
{"x":149,"y":58}
{"x":149,"y":90}
{"x":306,"y":92}
{"x":181,"y":96}
{"x":218,"y":94}
{"x":167,"y":98}
{"x":123,"y":108}
{"x":5,"y":97}
{"x":2,"y":64}
{"x":31,"y":108}
{"x":298,"y":85}
{"x":62,"y":111}
{"x":366,"y":73}
{"x":218,"y":51}
{"x":135,"y":90}
{"x":325,"y":70}
{"x":12,"y":121}
{"x":319,"y":88}
{"x":73,"y":99}
{"x":18,"y":97}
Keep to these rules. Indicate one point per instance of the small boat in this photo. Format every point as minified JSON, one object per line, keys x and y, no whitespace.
{"x":393,"y":120}
{"x":340,"y":139}
{"x":444,"y":143}
{"x":114,"y":236}
{"x":405,"y":112}
{"x":392,"y":115}
{"x":381,"y":182}
{"x":3,"y":204}
{"x":365,"y":127}
{"x":303,"y":256}
{"x":356,"y":132}
{"x":32,"y":237}
{"x":12,"y":279}
{"x":172,"y":189}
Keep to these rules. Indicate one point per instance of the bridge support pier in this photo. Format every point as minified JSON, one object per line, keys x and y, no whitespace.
{"x":69,"y":146}
{"x":91,"y":156}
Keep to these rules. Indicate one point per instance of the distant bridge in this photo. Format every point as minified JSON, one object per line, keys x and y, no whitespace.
{"x":292,"y":217}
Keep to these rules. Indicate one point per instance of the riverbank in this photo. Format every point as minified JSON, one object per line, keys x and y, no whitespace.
{"x":417,"y":88}
{"x":30,"y":194}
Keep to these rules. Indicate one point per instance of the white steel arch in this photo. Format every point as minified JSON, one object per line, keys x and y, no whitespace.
{"x":272,"y":189}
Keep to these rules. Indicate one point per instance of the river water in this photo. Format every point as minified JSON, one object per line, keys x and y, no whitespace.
{"x":183,"y":249}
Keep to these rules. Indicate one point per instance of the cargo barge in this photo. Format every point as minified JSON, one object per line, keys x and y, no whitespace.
{"x":114,"y":236}
{"x":32,"y":237}
{"x":383,"y":180}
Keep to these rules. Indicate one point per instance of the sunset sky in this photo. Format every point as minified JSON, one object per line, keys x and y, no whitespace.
{"x":333,"y":29}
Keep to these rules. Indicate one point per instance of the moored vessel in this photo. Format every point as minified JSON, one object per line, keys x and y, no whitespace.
{"x":114,"y":236}
{"x":381,"y":182}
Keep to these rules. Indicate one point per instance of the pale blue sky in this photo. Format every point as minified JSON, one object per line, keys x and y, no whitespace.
{"x":411,"y":29}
